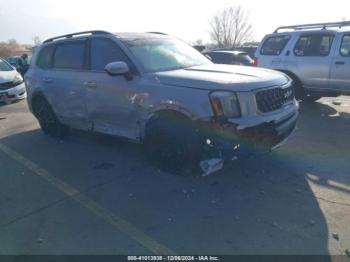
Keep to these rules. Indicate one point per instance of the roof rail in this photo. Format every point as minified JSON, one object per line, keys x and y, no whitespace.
{"x":315,"y":26}
{"x":95,"y":32}
{"x":158,"y":33}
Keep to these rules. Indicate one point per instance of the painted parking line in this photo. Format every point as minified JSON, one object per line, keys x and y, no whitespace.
{"x":108,"y":216}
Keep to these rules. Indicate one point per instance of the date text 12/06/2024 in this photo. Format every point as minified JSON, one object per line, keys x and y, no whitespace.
{"x":173,"y":258}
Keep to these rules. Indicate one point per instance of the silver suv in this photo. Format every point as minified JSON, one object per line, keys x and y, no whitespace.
{"x":315,"y":56}
{"x":157,"y":90}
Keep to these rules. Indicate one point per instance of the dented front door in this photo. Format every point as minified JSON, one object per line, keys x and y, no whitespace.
{"x":109,"y":98}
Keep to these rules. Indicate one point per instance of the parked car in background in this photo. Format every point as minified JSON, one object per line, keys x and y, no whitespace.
{"x":18,"y":63}
{"x":157,"y":90}
{"x":15,"y":61}
{"x":11,"y":83}
{"x":315,"y":56}
{"x":230,"y":57}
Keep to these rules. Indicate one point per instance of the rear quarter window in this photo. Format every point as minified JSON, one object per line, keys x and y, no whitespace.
{"x":274,"y":45}
{"x":244,"y":58}
{"x":345,"y":46}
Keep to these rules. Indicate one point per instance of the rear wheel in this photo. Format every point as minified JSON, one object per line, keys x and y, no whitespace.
{"x":48,"y":121}
{"x":172,"y":144}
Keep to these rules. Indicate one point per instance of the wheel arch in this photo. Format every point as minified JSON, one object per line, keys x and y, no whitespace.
{"x":170,"y":113}
{"x":292,"y":75}
{"x":35,"y":97}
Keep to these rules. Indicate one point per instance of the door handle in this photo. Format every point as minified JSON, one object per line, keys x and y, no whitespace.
{"x":90,"y":84}
{"x":46,"y":80}
{"x":340,"y":63}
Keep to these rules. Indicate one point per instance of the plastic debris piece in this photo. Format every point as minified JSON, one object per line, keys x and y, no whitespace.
{"x":39,"y":240}
{"x":347,"y":252}
{"x":335,"y":236}
{"x":211,"y":166}
{"x":274,"y":224}
{"x":312,"y":223}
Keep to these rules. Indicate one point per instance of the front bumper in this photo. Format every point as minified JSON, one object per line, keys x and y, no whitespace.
{"x":230,"y":140}
{"x":14,"y":93}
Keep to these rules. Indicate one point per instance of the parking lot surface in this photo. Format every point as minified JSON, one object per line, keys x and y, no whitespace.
{"x":93,"y":194}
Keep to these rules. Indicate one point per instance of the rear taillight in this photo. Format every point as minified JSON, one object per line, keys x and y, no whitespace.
{"x":255,"y":63}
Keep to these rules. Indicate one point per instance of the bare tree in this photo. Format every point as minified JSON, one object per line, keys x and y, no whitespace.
{"x":36,"y":40}
{"x":9,"y":48}
{"x":230,"y":27}
{"x":198,"y":42}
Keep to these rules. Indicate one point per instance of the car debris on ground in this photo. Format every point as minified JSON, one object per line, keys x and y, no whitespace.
{"x":211,"y":166}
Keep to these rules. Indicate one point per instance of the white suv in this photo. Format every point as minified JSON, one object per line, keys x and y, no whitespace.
{"x":315,"y":56}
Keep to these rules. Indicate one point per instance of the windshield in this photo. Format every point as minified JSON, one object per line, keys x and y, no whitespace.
{"x":165,"y":54}
{"x":4,"y":66}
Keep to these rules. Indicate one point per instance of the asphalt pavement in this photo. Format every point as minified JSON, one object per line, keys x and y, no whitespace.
{"x":94,"y":194}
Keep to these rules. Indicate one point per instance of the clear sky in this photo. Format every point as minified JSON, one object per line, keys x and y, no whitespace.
{"x":186,"y":19}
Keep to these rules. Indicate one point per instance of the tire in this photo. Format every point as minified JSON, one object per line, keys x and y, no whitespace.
{"x":173,"y":145}
{"x":310,"y":98}
{"x":48,"y":121}
{"x":300,"y":92}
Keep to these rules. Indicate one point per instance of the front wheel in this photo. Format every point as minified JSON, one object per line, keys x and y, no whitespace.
{"x":48,"y":121}
{"x":173,"y":145}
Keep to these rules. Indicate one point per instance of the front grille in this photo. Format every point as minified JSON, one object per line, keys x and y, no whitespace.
{"x":6,"y":85}
{"x":274,"y":98}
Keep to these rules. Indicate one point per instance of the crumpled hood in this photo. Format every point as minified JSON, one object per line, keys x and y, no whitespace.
{"x":224,"y":77}
{"x":7,"y":76}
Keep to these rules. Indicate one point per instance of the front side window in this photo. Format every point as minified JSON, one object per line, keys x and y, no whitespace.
{"x":314,"y":45}
{"x":45,"y":57}
{"x":70,"y":55}
{"x":157,"y":55}
{"x":4,"y":66}
{"x":274,"y":45}
{"x":104,"y":51}
{"x":345,"y":46}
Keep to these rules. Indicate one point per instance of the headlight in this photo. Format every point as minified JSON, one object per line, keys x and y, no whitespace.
{"x":18,"y":80}
{"x":225,"y":104}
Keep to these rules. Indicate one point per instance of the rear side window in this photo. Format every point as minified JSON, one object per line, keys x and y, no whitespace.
{"x":104,"y":51}
{"x":244,"y":58}
{"x":274,"y":45}
{"x":220,"y":58}
{"x":345,"y":46}
{"x":70,"y":55}
{"x":45,"y":57}
{"x":314,"y":45}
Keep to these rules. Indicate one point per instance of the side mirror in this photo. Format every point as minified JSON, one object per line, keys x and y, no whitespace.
{"x":117,"y":68}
